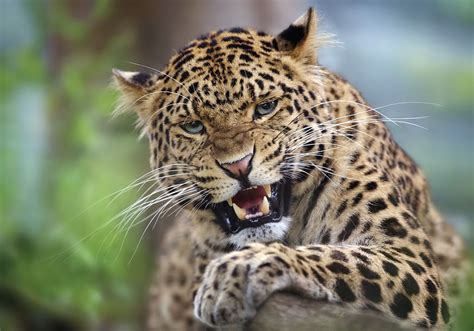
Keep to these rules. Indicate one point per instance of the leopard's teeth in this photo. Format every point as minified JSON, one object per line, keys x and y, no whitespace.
{"x":229,"y":202}
{"x":239,"y":212}
{"x":253,"y":217}
{"x":268,"y":190}
{"x":265,"y":206}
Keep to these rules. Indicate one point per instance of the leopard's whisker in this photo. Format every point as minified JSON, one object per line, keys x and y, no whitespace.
{"x":314,"y":137}
{"x":146,"y":229}
{"x":145,"y":203}
{"x":126,"y":106}
{"x":202,"y":193}
{"x":131,"y":220}
{"x":156,"y":213}
{"x":165,"y":74}
{"x":155,"y":191}
{"x":321,"y":168}
{"x":144,"y":182}
{"x":136,"y":209}
{"x":375,"y":109}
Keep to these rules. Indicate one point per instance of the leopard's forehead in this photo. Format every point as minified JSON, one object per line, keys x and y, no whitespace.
{"x":221,"y":50}
{"x":225,"y":68}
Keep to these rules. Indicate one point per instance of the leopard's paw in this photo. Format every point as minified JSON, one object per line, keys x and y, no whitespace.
{"x":236,"y":284}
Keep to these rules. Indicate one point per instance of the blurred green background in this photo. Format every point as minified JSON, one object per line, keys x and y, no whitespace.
{"x":64,"y":262}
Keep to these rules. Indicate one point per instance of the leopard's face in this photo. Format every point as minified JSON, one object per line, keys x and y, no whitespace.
{"x":230,"y":122}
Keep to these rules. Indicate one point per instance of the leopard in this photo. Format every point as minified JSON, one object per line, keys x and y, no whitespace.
{"x":285,"y":179}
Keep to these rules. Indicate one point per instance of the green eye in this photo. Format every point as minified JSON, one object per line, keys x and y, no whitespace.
{"x":265,"y":108}
{"x":193,"y":127}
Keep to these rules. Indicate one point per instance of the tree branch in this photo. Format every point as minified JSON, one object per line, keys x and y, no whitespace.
{"x":285,"y":311}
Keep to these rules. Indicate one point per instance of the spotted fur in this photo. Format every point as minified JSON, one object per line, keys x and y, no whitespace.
{"x":362,"y":229}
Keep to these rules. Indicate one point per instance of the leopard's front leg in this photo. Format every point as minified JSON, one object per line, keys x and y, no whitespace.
{"x":402,"y":283}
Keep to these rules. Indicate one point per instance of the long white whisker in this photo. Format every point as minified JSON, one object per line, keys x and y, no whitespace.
{"x":161,"y":72}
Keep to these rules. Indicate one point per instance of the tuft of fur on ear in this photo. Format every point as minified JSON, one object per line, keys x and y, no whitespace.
{"x":134,"y":88}
{"x":299,"y":40}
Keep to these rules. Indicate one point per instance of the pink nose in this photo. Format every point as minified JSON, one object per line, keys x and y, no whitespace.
{"x":239,"y":167}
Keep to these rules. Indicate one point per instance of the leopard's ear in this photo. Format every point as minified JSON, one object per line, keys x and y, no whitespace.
{"x":134,"y":87}
{"x":134,"y":84}
{"x":299,"y":40}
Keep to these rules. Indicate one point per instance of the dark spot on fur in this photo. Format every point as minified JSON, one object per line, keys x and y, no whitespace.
{"x":283,"y":262}
{"x":357,"y":199}
{"x":341,"y":208}
{"x":367,"y":227}
{"x":338,"y":268}
{"x":366,"y":272}
{"x":371,"y":186}
{"x":410,"y":285}
{"x":401,"y":306}
{"x":371,"y":291}
{"x":344,"y":291}
{"x":431,"y":308}
{"x":354,"y":158}
{"x":246,"y":73}
{"x":351,"y":225}
{"x":431,"y":287}
{"x":361,"y":257}
{"x":314,"y":257}
{"x":418,"y":269}
{"x":392,"y":227}
{"x":376,"y":205}
{"x":338,"y":255}
{"x":389,"y":256}
{"x":193,"y":87}
{"x":415,"y":240}
{"x":405,"y":251}
{"x":426,"y":260}
{"x":352,"y":185}
{"x":393,"y":199}
{"x":445,"y":311}
{"x":390,"y":268}
{"x":326,"y":237}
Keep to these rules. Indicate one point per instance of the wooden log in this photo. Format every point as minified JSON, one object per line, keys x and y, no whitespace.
{"x":286,"y":311}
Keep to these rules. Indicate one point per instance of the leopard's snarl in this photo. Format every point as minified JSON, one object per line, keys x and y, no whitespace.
{"x":287,"y":179}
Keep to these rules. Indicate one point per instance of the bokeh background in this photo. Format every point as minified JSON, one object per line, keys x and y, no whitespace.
{"x":65,"y":261}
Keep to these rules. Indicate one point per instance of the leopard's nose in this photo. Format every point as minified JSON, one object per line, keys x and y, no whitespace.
{"x":239,"y":167}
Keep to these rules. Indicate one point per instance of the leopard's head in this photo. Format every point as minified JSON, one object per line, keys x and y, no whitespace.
{"x":232,"y":124}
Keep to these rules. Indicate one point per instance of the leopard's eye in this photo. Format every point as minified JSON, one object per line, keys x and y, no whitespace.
{"x":265,"y":108}
{"x":193,"y":127}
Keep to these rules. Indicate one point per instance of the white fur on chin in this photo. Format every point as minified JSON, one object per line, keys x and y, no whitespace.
{"x":264,"y":233}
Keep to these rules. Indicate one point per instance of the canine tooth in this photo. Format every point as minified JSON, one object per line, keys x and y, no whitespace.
{"x":268,"y":190}
{"x":229,"y":201}
{"x":265,"y":206}
{"x":239,"y":212}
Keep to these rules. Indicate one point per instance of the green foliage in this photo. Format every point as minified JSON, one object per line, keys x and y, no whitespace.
{"x":459,"y":9}
{"x":465,"y":306}
{"x":58,"y":247}
{"x":19,"y":67}
{"x":458,"y":79}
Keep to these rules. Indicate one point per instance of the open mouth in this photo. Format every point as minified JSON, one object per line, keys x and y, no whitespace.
{"x":253,"y":207}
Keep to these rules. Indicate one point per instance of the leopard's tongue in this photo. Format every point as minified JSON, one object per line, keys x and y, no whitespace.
{"x":251,"y":202}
